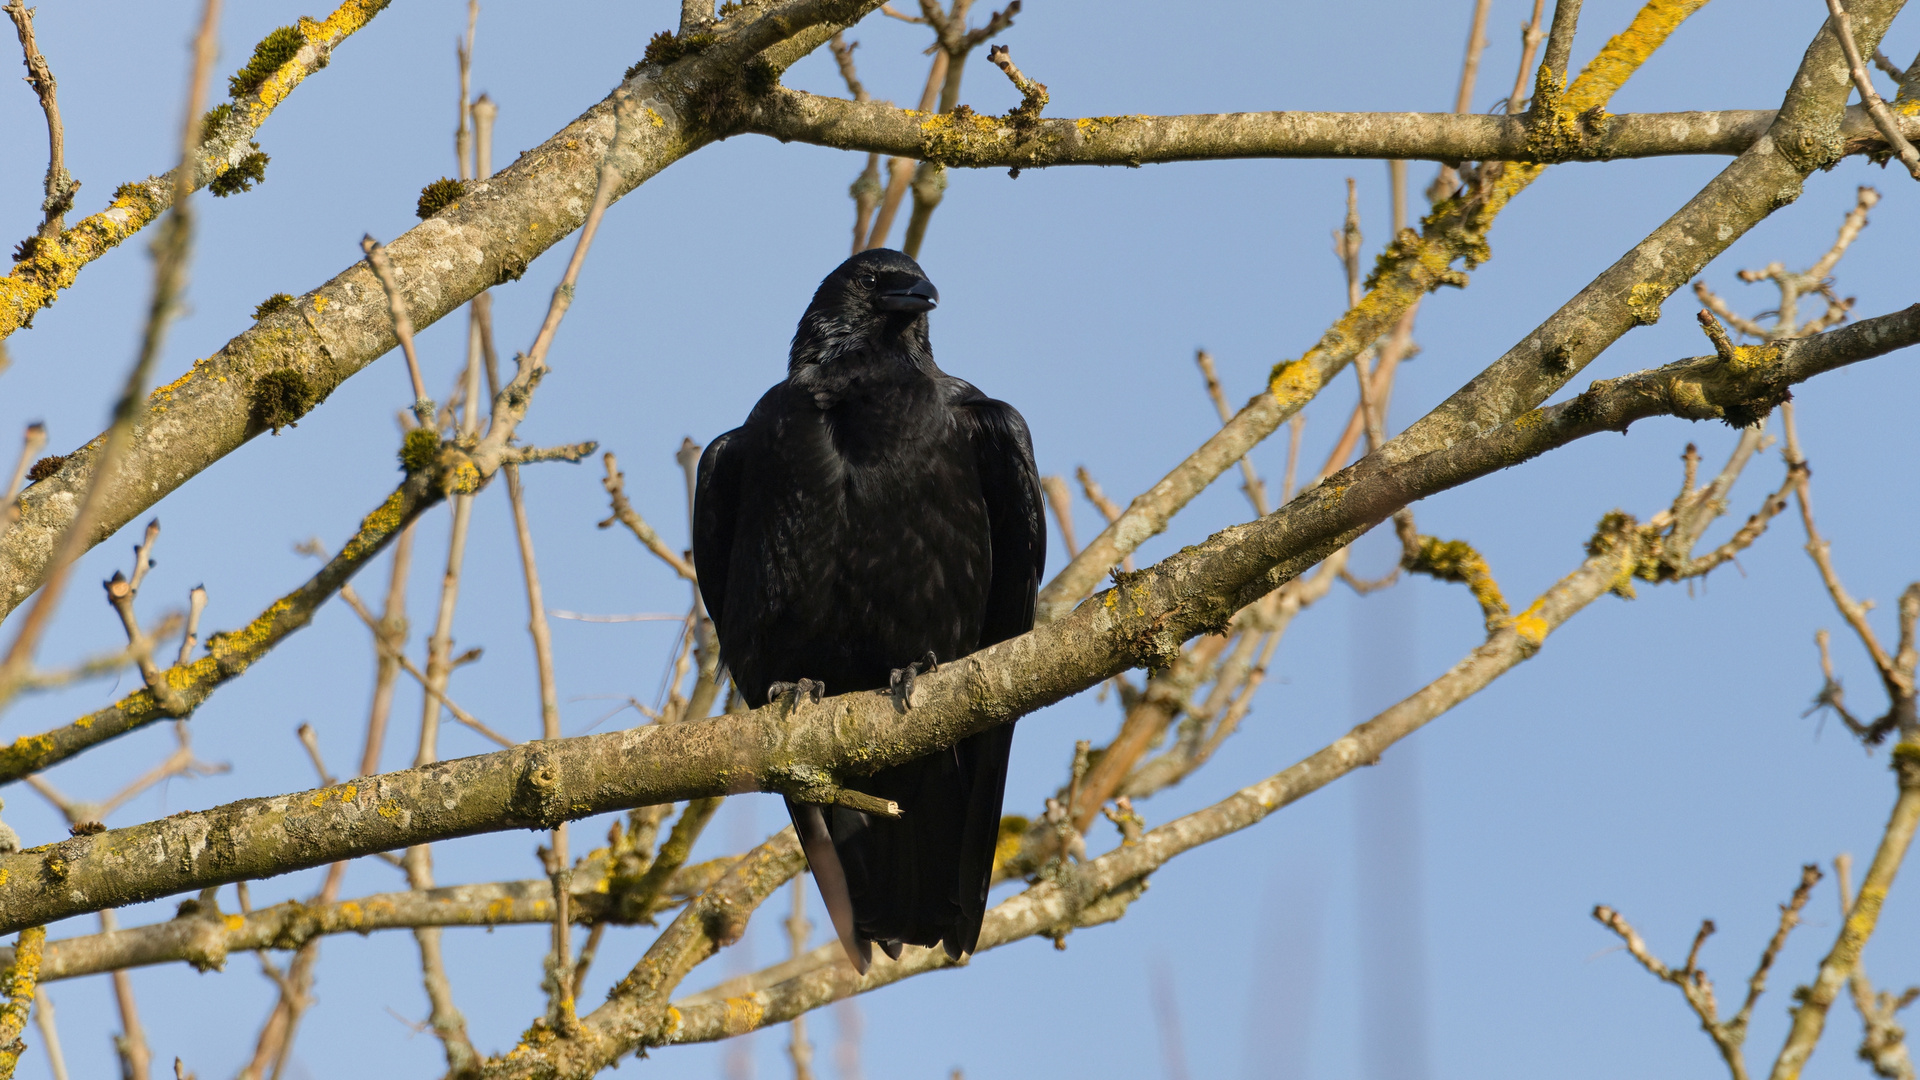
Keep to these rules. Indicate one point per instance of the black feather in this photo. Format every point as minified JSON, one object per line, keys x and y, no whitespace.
{"x":873,"y":509}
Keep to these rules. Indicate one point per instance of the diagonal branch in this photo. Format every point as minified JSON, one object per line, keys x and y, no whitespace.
{"x":637,"y":1007}
{"x":1882,"y":117}
{"x":1412,"y":267}
{"x":229,"y":654}
{"x":54,"y":262}
{"x":338,"y":329}
{"x":1810,"y":1015}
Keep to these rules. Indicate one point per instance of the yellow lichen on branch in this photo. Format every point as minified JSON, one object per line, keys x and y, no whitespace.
{"x":321,"y":36}
{"x":1456,"y":560}
{"x":229,"y":654}
{"x":1562,"y":120}
{"x":51,"y":264}
{"x":1418,"y":263}
{"x":1626,"y":51}
{"x":16,"y":996}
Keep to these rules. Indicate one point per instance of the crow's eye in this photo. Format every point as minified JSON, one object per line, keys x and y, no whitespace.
{"x":868,"y":280}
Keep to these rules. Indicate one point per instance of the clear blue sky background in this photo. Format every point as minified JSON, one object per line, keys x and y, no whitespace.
{"x":1654,"y":756}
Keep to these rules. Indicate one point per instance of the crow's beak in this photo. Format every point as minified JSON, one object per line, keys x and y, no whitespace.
{"x":919,"y":296}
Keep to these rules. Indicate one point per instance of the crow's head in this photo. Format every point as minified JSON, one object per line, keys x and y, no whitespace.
{"x":877,"y":300}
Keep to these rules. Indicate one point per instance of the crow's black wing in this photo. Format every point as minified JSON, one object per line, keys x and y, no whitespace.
{"x":1003,"y":453}
{"x":716,"y":507}
{"x":1010,"y":484}
{"x":716,"y":501}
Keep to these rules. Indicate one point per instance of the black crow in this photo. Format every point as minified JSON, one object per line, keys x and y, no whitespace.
{"x":875,"y":515}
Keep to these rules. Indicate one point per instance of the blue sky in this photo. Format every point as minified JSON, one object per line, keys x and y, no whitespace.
{"x":1426,"y":918}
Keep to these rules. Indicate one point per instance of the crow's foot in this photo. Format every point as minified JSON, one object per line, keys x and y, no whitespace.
{"x":809,"y":689}
{"x":900,"y":683}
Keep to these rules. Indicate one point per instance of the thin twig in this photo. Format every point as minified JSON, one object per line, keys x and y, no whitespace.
{"x":43,"y":1019}
{"x":561,"y":1010}
{"x":60,"y":185}
{"x":462,"y":132}
{"x":866,"y":187}
{"x":391,"y":646}
{"x":798,"y":928}
{"x":1470,"y":67}
{"x":31,"y":444}
{"x":1863,"y":81}
{"x":1256,"y":491}
{"x":1530,"y":38}
{"x":376,"y":254}
{"x":1060,"y":501}
{"x":625,"y":514}
{"x":1853,"y":611}
{"x":1107,"y":507}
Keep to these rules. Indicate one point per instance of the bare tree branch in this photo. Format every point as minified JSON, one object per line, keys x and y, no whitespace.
{"x":224,"y":140}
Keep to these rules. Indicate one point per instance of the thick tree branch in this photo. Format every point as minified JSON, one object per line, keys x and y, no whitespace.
{"x":1804,"y":136}
{"x":994,"y":142}
{"x":488,"y":236}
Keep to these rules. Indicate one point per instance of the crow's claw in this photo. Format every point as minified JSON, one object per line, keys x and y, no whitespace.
{"x":808,"y":689}
{"x":900,"y":683}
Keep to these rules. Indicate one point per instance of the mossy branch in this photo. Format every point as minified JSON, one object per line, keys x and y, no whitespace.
{"x":230,"y":654}
{"x":637,"y":1010}
{"x":1803,"y":136}
{"x":1456,"y":560}
{"x":51,"y":264}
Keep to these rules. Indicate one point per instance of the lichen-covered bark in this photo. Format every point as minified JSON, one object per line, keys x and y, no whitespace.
{"x":486,"y":237}
{"x":980,"y":142}
{"x":54,"y":263}
{"x":1414,"y":265}
{"x":229,"y":654}
{"x":205,"y":938}
{"x":1076,"y":896}
{"x":1100,"y":890}
{"x":808,"y":748}
{"x":1810,"y":1015}
{"x":1805,"y":135}
{"x":636,"y":1010}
